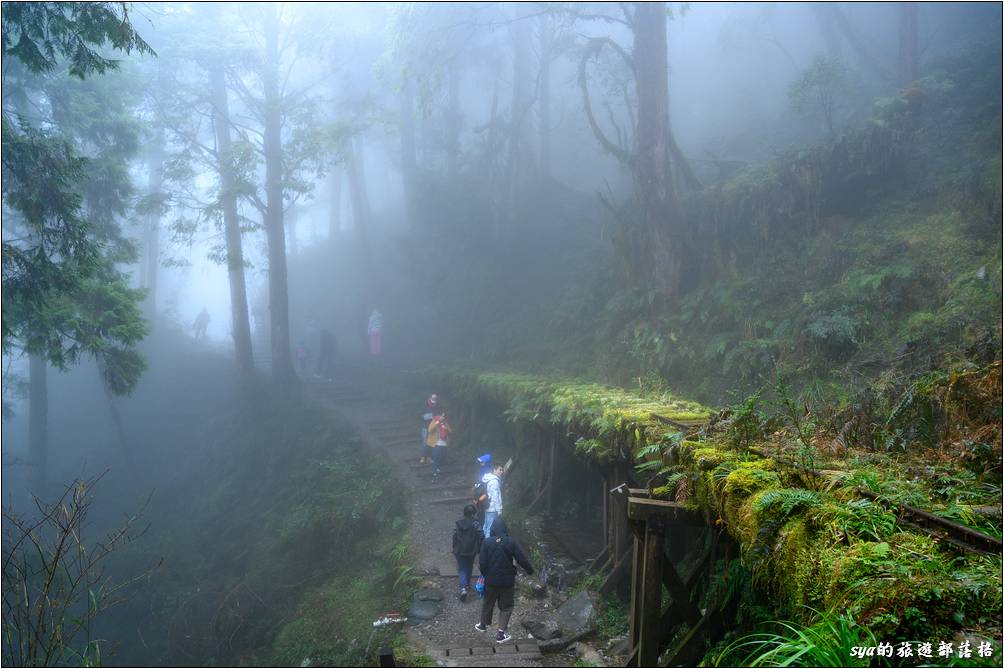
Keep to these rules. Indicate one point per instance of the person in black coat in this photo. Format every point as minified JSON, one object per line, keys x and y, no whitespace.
{"x":499,"y":572}
{"x":467,"y":539}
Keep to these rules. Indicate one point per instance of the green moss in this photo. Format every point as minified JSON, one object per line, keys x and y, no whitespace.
{"x":604,"y":416}
{"x":749,"y":477}
{"x":795,"y":564}
{"x":708,"y":458}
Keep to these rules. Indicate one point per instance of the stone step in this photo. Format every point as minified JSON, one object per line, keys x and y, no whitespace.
{"x":513,"y":653}
{"x":398,"y":424}
{"x":397,"y":440}
{"x":466,"y":499}
{"x":446,"y":469}
{"x":446,"y":487}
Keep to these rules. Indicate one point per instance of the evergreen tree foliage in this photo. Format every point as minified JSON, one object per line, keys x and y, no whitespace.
{"x":65,"y":182}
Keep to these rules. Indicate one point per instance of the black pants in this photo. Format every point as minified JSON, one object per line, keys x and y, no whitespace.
{"x":504,"y":597}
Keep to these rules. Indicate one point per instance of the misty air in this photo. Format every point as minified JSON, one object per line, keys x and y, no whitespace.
{"x":502,"y":334}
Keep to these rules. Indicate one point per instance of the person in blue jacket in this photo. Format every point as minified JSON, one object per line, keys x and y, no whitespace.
{"x":496,"y":562}
{"x":486,"y":465}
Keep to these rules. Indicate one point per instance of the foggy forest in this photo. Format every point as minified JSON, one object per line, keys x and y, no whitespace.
{"x":502,"y":334}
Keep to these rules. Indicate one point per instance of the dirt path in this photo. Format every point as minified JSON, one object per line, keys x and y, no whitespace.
{"x":389,"y":425}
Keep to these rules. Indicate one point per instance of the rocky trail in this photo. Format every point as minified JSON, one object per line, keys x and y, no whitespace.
{"x":440,"y":625}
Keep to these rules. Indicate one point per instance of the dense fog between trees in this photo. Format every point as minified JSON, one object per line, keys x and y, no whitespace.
{"x":200,"y":199}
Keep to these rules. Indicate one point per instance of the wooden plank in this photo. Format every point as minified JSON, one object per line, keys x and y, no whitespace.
{"x":648,"y":509}
{"x":709,"y":629}
{"x":680,"y":594}
{"x":686,"y":649}
{"x":615,"y":575}
{"x":673,"y":618}
{"x":634,"y":610}
{"x":606,"y":516}
{"x":600,"y":561}
{"x":632,"y":660}
{"x":649,"y":637}
{"x":550,"y":480}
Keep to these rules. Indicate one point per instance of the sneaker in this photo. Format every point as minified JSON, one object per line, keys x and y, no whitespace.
{"x":463,"y":595}
{"x":502,"y":637}
{"x":478,"y":627}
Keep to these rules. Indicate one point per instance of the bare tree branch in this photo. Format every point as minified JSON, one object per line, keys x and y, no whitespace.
{"x":610,"y":147}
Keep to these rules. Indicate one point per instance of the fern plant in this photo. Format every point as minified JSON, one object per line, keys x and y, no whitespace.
{"x":780,"y":504}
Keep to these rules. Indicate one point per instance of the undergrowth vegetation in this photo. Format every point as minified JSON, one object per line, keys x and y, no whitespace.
{"x":283,"y":551}
{"x":850,"y":315}
{"x":864,"y":257}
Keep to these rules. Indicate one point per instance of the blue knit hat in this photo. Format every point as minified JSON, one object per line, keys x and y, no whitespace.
{"x":485,"y":459}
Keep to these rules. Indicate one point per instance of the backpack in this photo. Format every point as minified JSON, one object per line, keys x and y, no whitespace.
{"x":465,"y":542}
{"x":480,"y":490}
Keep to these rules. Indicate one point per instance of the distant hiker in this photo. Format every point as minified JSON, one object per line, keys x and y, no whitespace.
{"x":467,"y":540}
{"x":496,"y":563}
{"x":200,"y":324}
{"x":493,"y":488}
{"x":301,"y":356}
{"x":438,"y":439}
{"x":431,"y":407}
{"x":374,"y":329}
{"x":326,"y":349}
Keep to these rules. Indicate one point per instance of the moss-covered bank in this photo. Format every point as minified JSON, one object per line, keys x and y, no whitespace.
{"x":813,"y":542}
{"x":609,"y":422}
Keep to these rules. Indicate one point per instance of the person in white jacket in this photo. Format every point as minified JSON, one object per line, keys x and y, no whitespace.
{"x":493,"y":488}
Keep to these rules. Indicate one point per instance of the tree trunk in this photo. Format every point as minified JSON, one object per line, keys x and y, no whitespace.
{"x":544,"y":100}
{"x":496,"y":173}
{"x":38,"y":425}
{"x":453,"y":121}
{"x":826,"y":22}
{"x":335,"y":222}
{"x":291,"y":219}
{"x":520,"y":156}
{"x":908,"y":54}
{"x":239,"y":323}
{"x":275,"y":232}
{"x":409,"y":163}
{"x":659,"y":246}
{"x":863,"y":48}
{"x":358,"y":193}
{"x":154,"y":184}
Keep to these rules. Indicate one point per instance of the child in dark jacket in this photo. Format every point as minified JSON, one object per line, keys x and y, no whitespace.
{"x":467,"y":537}
{"x":497,"y":568}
